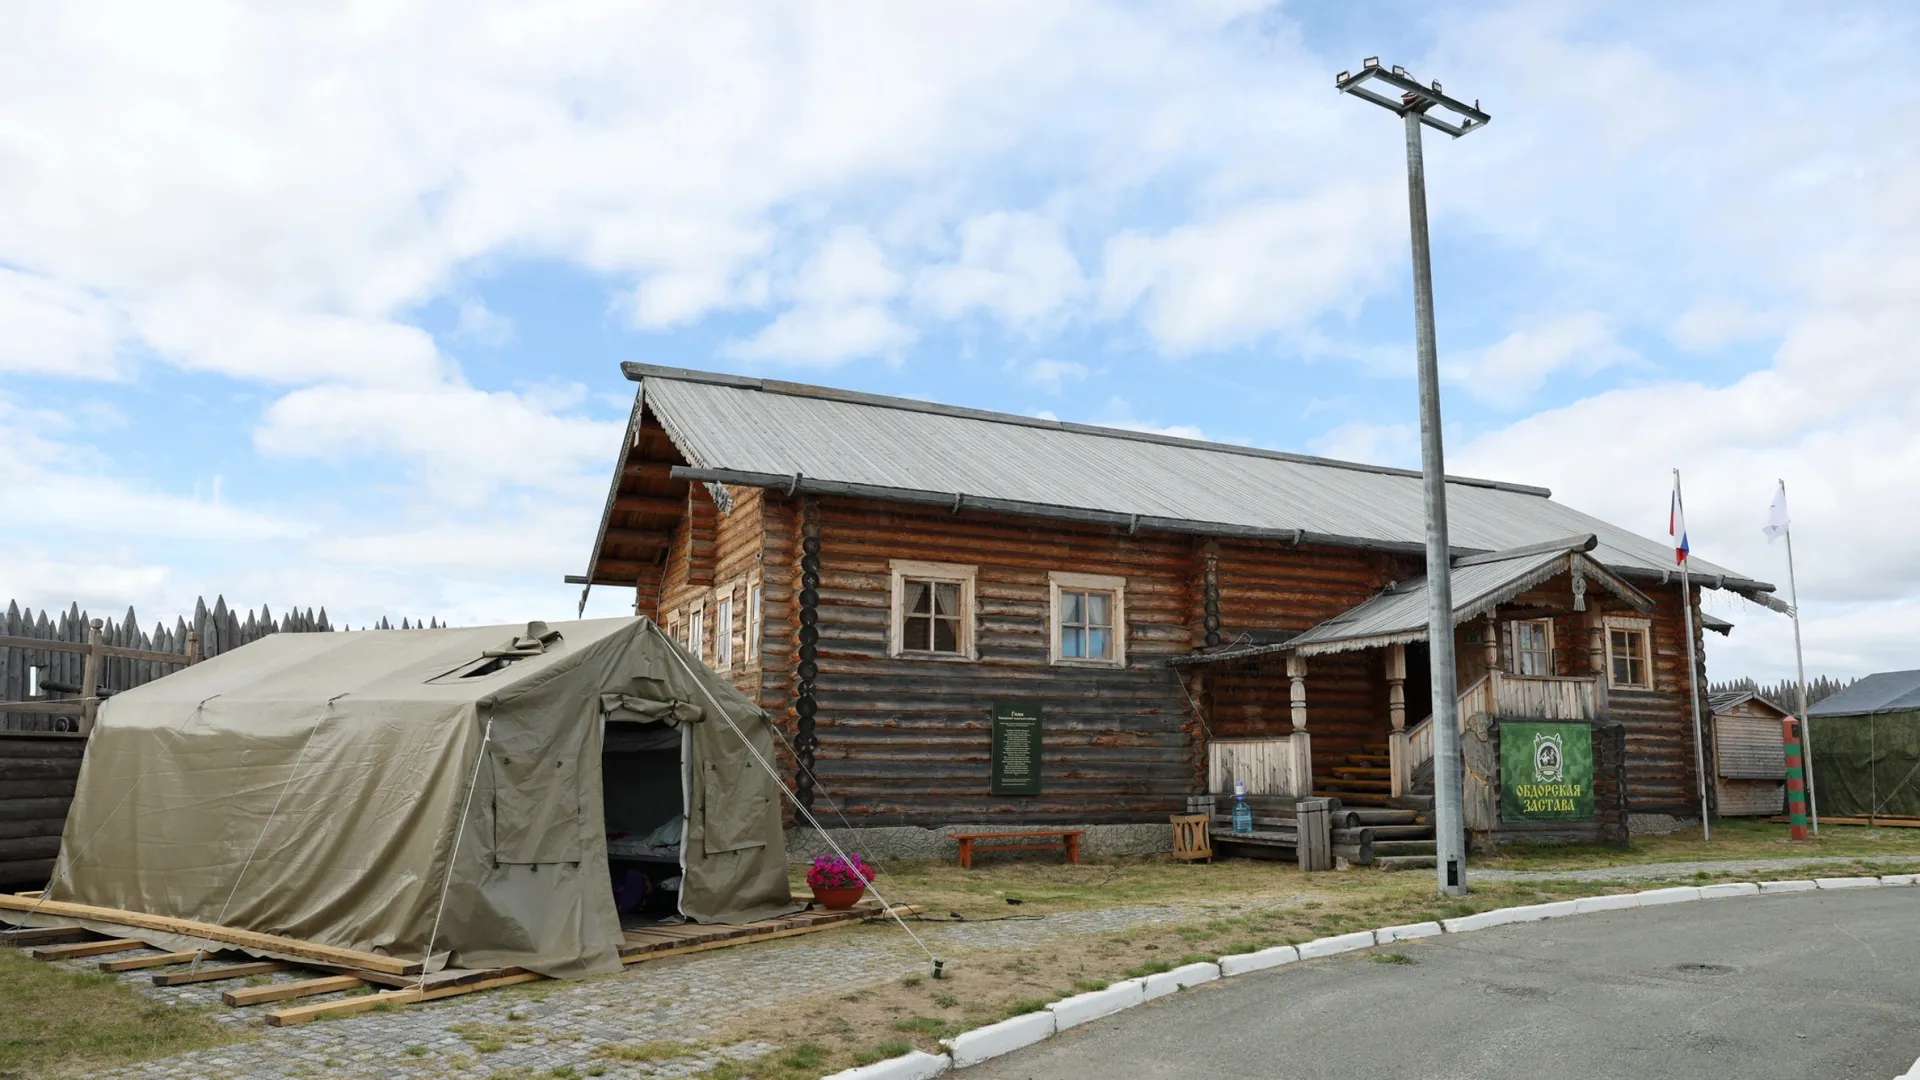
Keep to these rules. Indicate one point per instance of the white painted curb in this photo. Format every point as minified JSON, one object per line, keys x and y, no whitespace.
{"x":1168,"y":982}
{"x":1241,"y":963}
{"x":1094,"y":1004}
{"x":918,"y":1065}
{"x":986,"y":1043}
{"x":982,"y":1044}
{"x":1587,"y":905}
{"x":1847,"y":882}
{"x":1328,"y":946}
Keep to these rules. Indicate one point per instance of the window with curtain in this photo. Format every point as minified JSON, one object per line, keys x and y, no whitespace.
{"x":1533,"y":647}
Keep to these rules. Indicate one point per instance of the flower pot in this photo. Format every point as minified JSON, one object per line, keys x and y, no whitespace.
{"x":838,"y":899}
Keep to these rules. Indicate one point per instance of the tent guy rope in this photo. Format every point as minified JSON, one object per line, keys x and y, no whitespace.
{"x":885,"y":904}
{"x":459,"y":833}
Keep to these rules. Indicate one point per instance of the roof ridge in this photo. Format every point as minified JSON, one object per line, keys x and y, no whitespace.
{"x":639,"y":372}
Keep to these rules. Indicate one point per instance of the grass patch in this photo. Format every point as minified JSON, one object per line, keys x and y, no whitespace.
{"x":1151,"y":967}
{"x":1087,"y":986}
{"x":53,"y":1021}
{"x":892,"y":1048}
{"x":1390,"y":958}
{"x":651,"y":1050}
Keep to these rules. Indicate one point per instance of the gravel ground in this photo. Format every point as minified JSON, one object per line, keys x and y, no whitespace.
{"x":555,"y":1025}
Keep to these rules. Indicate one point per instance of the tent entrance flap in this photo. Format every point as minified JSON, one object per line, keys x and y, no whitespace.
{"x":642,"y":797}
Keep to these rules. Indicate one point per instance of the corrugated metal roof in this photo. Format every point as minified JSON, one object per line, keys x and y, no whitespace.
{"x":1888,"y":691}
{"x":762,"y":427}
{"x":1401,"y":612}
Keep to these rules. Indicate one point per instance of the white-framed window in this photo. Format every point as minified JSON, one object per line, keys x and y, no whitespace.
{"x":933,"y":610}
{"x":697,"y":629}
{"x":753,"y":621}
{"x":1629,"y":653}
{"x":723,"y":631}
{"x":677,"y":626}
{"x":1530,"y":646}
{"x":1087,"y":618}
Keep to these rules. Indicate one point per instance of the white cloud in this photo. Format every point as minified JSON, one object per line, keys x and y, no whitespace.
{"x":480,"y":324}
{"x":1119,"y":414}
{"x":1712,"y":323}
{"x":1053,"y":375}
{"x":1256,"y":269}
{"x":1511,"y":370}
{"x":840,"y":310}
{"x":1016,"y":266}
{"x":467,"y":443}
{"x":55,"y":329}
{"x":1375,"y":444}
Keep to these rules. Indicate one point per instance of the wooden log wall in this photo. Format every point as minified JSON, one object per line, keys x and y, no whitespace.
{"x":1659,"y":723}
{"x":1269,"y":586}
{"x":907,"y":741}
{"x":38,"y":772}
{"x":221,"y":630}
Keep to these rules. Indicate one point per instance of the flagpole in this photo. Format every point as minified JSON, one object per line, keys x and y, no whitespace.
{"x":1693,"y":666}
{"x":1800,"y":661}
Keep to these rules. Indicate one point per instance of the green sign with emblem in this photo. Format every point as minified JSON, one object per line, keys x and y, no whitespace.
{"x":1546,"y":771}
{"x":1016,"y":748}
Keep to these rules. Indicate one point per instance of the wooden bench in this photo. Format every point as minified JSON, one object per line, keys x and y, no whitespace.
{"x":1066,"y":839}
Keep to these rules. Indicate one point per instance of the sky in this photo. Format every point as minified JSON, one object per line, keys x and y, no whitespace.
{"x":324,"y":304}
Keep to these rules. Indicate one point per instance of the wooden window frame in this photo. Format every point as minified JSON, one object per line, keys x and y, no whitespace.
{"x":1107,"y":583}
{"x":755,"y":618}
{"x":697,"y":629}
{"x":1513,"y":648}
{"x":964,"y":575}
{"x":1643,"y":627}
{"x":723,"y":651}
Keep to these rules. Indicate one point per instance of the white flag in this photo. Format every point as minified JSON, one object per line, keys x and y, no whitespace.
{"x":1777,"y":520}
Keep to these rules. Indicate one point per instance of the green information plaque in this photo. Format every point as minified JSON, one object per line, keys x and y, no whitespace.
{"x":1546,"y":772}
{"x":1016,"y":748}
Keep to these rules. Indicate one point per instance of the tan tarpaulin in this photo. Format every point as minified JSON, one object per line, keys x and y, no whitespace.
{"x":312,"y":785}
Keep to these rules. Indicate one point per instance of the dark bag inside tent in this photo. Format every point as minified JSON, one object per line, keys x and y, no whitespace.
{"x":644,"y":800}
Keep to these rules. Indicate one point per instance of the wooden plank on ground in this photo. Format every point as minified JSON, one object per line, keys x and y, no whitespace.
{"x":255,"y":995}
{"x":141,"y":963}
{"x":46,"y":935}
{"x":305,"y":950}
{"x":762,"y":932}
{"x":1882,"y":822}
{"x":301,"y":1014}
{"x":85,"y":948}
{"x":215,"y":974}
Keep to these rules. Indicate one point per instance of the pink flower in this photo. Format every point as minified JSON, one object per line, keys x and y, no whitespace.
{"x":834,"y":872}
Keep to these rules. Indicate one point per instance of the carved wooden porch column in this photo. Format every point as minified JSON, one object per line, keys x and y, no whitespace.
{"x":1397,"y":715}
{"x":1597,"y":659}
{"x":1302,"y":742}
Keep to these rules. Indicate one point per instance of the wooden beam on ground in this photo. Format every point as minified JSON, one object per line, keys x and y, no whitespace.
{"x":165,"y":959}
{"x":46,"y":935}
{"x":301,"y":1014}
{"x":254,"y":995}
{"x":248,"y":939}
{"x":215,"y":974}
{"x":85,"y":948}
{"x":782,"y":929}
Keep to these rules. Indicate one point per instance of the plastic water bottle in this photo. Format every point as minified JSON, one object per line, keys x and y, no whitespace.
{"x":1242,"y":813}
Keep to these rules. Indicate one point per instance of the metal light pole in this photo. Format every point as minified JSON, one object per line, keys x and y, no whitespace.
{"x":1414,"y":106}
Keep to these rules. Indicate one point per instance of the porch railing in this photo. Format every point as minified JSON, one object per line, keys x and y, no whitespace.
{"x":1267,"y":766}
{"x":1501,"y":694}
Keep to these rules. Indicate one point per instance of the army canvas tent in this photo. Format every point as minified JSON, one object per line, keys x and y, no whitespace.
{"x":437,"y":794}
{"x":1866,"y":748}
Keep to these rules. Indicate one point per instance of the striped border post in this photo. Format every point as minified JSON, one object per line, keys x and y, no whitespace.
{"x":1796,"y":779}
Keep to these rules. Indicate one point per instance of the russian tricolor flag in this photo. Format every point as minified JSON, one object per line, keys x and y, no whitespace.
{"x":1677,"y":523}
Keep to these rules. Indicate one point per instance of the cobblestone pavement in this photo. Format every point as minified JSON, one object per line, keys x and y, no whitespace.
{"x":1646,"y":871}
{"x":541,"y":1027}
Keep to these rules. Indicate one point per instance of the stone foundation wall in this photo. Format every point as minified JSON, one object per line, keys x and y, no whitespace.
{"x":912,"y":842}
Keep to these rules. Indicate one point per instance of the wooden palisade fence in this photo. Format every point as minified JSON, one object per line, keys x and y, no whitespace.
{"x":81,"y":658}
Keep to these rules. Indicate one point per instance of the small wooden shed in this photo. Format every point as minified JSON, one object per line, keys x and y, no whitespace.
{"x":1750,"y":778}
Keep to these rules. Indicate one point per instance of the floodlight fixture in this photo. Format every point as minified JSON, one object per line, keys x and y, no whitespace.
{"x":1414,"y":98}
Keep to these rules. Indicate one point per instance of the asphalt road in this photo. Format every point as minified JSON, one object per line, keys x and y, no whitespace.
{"x":1807,"y":986}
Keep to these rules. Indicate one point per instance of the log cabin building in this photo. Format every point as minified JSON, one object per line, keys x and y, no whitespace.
{"x":881,"y":573}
